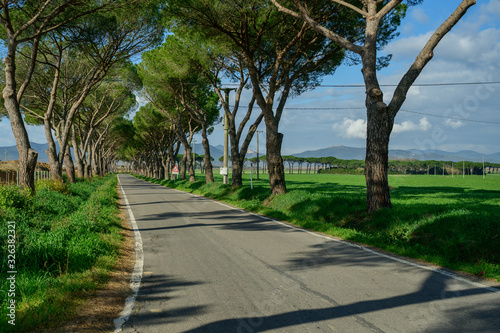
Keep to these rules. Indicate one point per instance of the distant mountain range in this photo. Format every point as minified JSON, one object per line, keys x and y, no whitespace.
{"x":350,"y":153}
{"x":340,"y":152}
{"x":10,"y":153}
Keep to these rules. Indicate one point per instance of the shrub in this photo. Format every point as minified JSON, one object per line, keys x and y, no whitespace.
{"x":53,"y":185}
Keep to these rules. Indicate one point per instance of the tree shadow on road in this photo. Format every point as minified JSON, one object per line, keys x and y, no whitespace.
{"x":152,"y":304}
{"x":472,"y":318}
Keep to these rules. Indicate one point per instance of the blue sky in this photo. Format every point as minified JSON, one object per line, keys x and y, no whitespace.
{"x":469,"y":53}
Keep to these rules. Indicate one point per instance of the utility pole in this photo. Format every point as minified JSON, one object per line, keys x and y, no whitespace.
{"x":258,"y":161}
{"x":6,"y":152}
{"x":484,"y":175}
{"x":225,"y":162}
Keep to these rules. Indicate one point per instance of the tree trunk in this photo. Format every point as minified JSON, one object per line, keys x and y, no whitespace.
{"x":101,"y":163}
{"x":275,"y":165}
{"x":183,"y":169}
{"x":95,"y":160}
{"x":207,"y":164}
{"x":379,"y":126}
{"x":79,"y":167}
{"x":55,"y":166}
{"x":166,"y":167}
{"x":189,"y":162}
{"x":236,"y":160}
{"x":88,"y":164}
{"x":78,"y":157}
{"x":70,"y":166}
{"x":237,"y":170}
{"x":27,"y":156}
{"x":27,"y":166}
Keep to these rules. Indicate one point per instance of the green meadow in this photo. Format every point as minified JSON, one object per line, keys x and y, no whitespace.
{"x":453,"y":222}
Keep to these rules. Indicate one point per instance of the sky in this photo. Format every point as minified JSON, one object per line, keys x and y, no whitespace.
{"x":446,"y":117}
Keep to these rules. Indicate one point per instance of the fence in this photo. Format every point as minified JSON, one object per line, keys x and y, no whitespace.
{"x":11,"y":177}
{"x":8,"y":177}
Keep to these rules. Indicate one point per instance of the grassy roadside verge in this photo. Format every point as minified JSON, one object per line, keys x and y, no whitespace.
{"x":67,"y":241}
{"x":450,"y":222}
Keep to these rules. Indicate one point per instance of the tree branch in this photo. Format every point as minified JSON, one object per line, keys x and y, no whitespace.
{"x":31,"y":69}
{"x":425,"y":56}
{"x":318,"y":27}
{"x":387,"y":8}
{"x":350,"y":6}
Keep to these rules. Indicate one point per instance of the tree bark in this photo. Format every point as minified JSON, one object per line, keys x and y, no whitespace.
{"x":275,"y":165}
{"x":70,"y":166}
{"x":55,"y":166}
{"x":237,"y":169}
{"x":207,"y":164}
{"x":189,"y":162}
{"x":166,"y":167}
{"x":27,"y":155}
{"x":183,"y":166}
{"x":78,"y":158}
{"x":377,"y":160}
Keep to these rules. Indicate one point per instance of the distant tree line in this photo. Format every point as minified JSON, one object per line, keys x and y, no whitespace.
{"x":334,"y":165}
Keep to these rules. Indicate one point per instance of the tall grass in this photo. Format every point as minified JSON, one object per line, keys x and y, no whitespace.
{"x":67,"y":240}
{"x":452,"y":222}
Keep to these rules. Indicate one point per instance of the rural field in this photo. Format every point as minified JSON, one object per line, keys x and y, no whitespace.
{"x":453,"y":222}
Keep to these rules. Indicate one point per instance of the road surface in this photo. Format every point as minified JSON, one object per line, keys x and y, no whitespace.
{"x":209,"y":267}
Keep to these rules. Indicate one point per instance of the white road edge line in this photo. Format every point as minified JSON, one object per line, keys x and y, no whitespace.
{"x":403,"y":261}
{"x":135,"y":280}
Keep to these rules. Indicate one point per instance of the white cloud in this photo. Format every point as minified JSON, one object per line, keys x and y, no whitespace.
{"x":468,"y":46}
{"x":407,"y":126}
{"x":424,"y":124}
{"x":453,"y":123}
{"x":351,"y":129}
{"x":419,"y":15}
{"x":356,"y":129}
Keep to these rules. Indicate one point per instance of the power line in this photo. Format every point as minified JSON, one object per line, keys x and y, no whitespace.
{"x":392,"y":85}
{"x":461,"y":119}
{"x":363,"y":108}
{"x":324,"y":108}
{"x":413,"y":85}
{"x":311,"y":108}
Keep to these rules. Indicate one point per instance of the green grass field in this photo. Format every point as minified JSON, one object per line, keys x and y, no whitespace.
{"x":67,"y":241}
{"x":451,"y":222}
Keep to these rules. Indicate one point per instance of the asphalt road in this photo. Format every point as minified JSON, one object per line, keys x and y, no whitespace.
{"x":209,"y":267}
